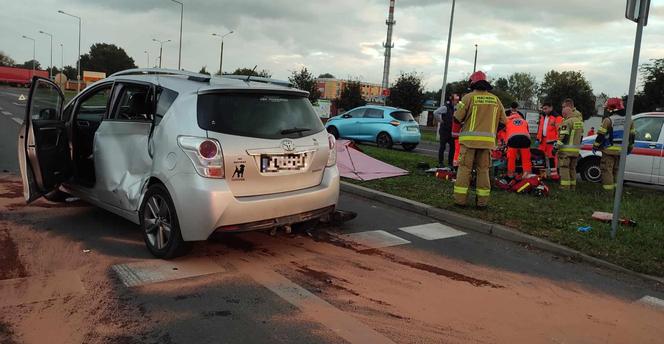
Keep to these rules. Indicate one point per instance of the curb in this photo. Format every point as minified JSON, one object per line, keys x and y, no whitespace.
{"x":492,"y":229}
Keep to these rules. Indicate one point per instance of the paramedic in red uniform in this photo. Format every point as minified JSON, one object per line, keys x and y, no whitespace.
{"x":547,"y":136}
{"x":518,"y":143}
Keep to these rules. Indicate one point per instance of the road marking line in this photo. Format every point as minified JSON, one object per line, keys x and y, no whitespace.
{"x":19,"y":291}
{"x":652,"y":302}
{"x":17,"y":120}
{"x":375,"y":239}
{"x":153,"y":271}
{"x":433,"y":231}
{"x":7,"y":113}
{"x":19,"y":104}
{"x":342,"y":324}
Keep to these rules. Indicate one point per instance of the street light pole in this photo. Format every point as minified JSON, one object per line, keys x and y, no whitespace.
{"x":447,"y":56}
{"x":50,"y":73}
{"x":221,"y":53}
{"x":33,"y":53}
{"x":148,"y":54}
{"x":78,"y":63}
{"x":475,"y":63}
{"x":641,"y":19}
{"x":62,"y":57}
{"x":161,"y":48}
{"x":181,"y":16}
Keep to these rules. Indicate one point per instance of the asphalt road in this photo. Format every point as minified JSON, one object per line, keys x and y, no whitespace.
{"x":72,"y":273}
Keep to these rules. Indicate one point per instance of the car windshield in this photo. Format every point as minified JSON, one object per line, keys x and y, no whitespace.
{"x":403,"y":116}
{"x":268,"y":116}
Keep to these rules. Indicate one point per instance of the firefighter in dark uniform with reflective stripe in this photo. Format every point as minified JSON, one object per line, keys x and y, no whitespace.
{"x":609,"y":141}
{"x":569,"y":145}
{"x":480,"y":113}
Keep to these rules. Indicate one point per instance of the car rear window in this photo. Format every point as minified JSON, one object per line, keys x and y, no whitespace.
{"x":403,"y":116}
{"x":268,"y":116}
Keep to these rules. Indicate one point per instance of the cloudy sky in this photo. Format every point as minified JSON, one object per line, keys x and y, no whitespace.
{"x":344,"y":37}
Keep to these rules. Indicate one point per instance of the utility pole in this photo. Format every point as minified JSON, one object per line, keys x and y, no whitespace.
{"x":447,"y":56}
{"x":148,"y":63}
{"x":388,"y":45}
{"x":33,"y":53}
{"x":180,"y":50}
{"x":62,"y":57}
{"x":637,"y":10}
{"x":475,"y":63}
{"x":221,"y":54}
{"x":161,"y":48}
{"x":50,"y":71}
{"x":78,"y":64}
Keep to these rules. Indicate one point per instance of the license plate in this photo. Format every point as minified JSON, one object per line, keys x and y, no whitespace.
{"x":411,"y":129}
{"x":288,"y":162}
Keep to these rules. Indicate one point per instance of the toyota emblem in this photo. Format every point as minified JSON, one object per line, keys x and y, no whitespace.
{"x":288,"y":145}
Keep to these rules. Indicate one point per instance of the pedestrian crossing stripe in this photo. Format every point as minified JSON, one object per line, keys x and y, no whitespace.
{"x":432,"y":231}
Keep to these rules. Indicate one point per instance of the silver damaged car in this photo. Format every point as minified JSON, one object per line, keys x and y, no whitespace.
{"x":181,"y":154}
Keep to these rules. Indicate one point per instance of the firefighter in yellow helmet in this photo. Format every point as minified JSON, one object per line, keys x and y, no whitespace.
{"x":609,"y":141}
{"x":568,"y":145}
{"x":479,"y":112}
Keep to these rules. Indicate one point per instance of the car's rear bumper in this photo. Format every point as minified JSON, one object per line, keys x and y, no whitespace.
{"x":408,"y":137}
{"x":205,"y":205}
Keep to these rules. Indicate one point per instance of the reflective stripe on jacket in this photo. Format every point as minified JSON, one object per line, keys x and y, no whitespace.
{"x":570,"y":134}
{"x":479,"y":112}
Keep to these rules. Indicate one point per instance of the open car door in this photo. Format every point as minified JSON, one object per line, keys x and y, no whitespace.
{"x":43,"y":143}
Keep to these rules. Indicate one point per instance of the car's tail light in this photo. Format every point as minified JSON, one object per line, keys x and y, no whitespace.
{"x":332,"y":155}
{"x":395,"y":123}
{"x":205,"y":154}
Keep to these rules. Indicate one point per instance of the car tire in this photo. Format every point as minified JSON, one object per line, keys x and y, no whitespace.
{"x":160,"y":225}
{"x":590,"y":171}
{"x":409,"y":147}
{"x":384,"y":140}
{"x":334,"y":131}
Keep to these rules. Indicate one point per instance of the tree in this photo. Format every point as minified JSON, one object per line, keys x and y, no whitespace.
{"x":407,"y":93}
{"x":251,"y":71}
{"x":5,"y":60}
{"x":350,"y":97}
{"x":523,"y":86}
{"x":70,"y":72}
{"x":106,"y":58}
{"x":305,"y":81}
{"x":568,"y":84}
{"x":502,"y":84}
{"x":652,"y":95}
{"x":28,"y":65}
{"x":326,"y":76}
{"x":204,"y":70}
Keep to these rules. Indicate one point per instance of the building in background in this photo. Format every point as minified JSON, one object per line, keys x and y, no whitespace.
{"x":331,"y":88}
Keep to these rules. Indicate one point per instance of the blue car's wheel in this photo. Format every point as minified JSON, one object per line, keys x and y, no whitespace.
{"x":333,"y":131}
{"x":384,"y":140}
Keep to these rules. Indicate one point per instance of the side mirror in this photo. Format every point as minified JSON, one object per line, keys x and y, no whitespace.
{"x":346,"y":116}
{"x":648,"y":137}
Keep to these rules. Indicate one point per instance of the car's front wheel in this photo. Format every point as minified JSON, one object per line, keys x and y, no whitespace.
{"x":334,"y":131}
{"x":591,"y":171}
{"x":159,"y":222}
{"x":409,"y":147}
{"x":384,"y":140}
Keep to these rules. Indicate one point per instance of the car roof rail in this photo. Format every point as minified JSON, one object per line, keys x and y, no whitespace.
{"x":259,"y":79}
{"x":162,"y":71}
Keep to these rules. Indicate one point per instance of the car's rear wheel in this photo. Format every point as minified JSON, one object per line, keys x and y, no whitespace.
{"x":334,"y":131}
{"x":160,"y":225}
{"x":409,"y":147}
{"x":384,"y":140}
{"x":590,"y":170}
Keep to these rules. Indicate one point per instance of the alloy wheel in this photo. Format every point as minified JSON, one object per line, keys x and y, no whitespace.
{"x":158,"y":222}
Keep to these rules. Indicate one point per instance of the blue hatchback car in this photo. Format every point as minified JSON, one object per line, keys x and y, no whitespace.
{"x":384,"y":125}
